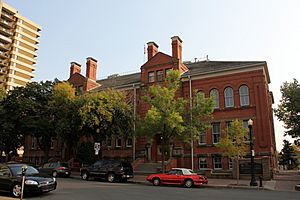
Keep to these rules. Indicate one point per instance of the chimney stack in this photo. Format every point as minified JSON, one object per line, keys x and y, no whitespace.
{"x":75,"y":68}
{"x":177,"y":48}
{"x":91,"y":68}
{"x":152,"y":49}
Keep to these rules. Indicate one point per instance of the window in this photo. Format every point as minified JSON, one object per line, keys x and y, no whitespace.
{"x":202,"y":138}
{"x":118,"y":142}
{"x":33,"y":143}
{"x":244,"y":95}
{"x":150,"y":77}
{"x":215,"y":95}
{"x":168,"y":71}
{"x":228,"y":124}
{"x":202,"y":163}
{"x":217,"y":162}
{"x":216,"y":132}
{"x":159,"y":75}
{"x":129,"y":142}
{"x":108,"y":142}
{"x":228,"y":94}
{"x":230,"y":164}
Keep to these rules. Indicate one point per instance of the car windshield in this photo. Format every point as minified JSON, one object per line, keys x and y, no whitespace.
{"x":17,"y":170}
{"x":64,"y":164}
{"x":188,"y":172}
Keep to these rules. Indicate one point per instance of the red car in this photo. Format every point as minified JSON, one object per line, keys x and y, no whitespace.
{"x":178,"y":176}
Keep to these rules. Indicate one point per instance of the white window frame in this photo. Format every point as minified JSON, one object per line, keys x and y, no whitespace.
{"x":217,"y":162}
{"x":116,"y":142}
{"x":127,"y":144}
{"x":202,"y":138}
{"x":229,"y":97}
{"x":244,"y":95}
{"x":230,"y":164}
{"x":159,"y":75}
{"x":203,"y":161}
{"x":215,"y":94}
{"x":151,"y":77}
{"x":216,"y":134}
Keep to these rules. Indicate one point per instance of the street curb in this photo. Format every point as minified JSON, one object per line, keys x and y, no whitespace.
{"x":214,"y":186}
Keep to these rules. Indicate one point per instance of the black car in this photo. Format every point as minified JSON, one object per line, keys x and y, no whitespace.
{"x":111,"y":170}
{"x":56,"y":169}
{"x":11,"y":180}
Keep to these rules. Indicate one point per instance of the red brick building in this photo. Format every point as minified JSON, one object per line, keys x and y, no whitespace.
{"x":240,"y":90}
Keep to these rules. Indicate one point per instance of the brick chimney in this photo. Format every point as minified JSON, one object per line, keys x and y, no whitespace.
{"x":177,"y":47}
{"x":152,"y":49}
{"x":75,"y":68}
{"x":91,"y":68}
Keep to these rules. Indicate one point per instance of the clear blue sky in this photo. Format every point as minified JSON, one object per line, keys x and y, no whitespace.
{"x":115,"y":32}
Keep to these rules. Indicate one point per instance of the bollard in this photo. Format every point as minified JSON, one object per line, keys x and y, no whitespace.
{"x":260,"y":181}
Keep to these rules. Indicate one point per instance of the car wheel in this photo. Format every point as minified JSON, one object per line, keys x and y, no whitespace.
{"x":54,"y":173}
{"x":111,"y":177}
{"x":156,"y":181}
{"x":188,"y":183}
{"x":17,"y":190}
{"x":84,"y":175}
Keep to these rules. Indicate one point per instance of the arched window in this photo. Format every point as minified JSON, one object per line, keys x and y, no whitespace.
{"x":244,"y":95}
{"x":215,"y":95}
{"x":228,"y":95}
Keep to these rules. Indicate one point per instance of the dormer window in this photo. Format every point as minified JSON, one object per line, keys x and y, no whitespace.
{"x":159,"y":75}
{"x":150,"y":77}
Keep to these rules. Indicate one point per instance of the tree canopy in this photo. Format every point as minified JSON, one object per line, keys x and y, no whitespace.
{"x":233,"y":143}
{"x":288,"y":110}
{"x":105,"y":114}
{"x":167,"y":114}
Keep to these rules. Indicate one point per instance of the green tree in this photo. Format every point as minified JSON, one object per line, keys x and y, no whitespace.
{"x":38,"y":117}
{"x":233,"y":144}
{"x":288,"y":155}
{"x":165,"y":116}
{"x":197,"y":120}
{"x":65,"y":106}
{"x":106,"y":113}
{"x":11,"y":135}
{"x":288,"y":110}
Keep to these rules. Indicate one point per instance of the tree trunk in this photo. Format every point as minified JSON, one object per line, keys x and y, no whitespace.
{"x":163,"y":157}
{"x":237,"y":171}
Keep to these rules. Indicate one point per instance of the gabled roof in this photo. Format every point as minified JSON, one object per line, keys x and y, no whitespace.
{"x":77,"y":76}
{"x":208,"y":67}
{"x":118,"y":81}
{"x":197,"y":68}
{"x":159,"y":58}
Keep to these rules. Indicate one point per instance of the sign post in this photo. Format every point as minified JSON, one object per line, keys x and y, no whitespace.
{"x":97,"y":147}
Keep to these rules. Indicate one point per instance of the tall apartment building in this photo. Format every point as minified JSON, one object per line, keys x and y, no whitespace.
{"x":18,"y":48}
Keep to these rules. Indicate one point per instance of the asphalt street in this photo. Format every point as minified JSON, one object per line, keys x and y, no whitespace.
{"x":74,"y":189}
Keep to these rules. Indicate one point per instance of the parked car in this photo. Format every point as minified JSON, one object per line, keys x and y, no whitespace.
{"x":11,"y":180}
{"x":110,"y":170}
{"x":56,"y":169}
{"x":178,"y":176}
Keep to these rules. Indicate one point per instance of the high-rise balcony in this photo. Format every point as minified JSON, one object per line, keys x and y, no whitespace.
{"x":6,"y":24}
{"x":6,"y":32}
{"x":3,"y":55}
{"x":5,"y":40}
{"x":7,"y":16}
{"x":4,"y":47}
{"x":3,"y":63}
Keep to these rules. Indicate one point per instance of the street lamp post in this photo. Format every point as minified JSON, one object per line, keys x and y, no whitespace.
{"x":253,"y":181}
